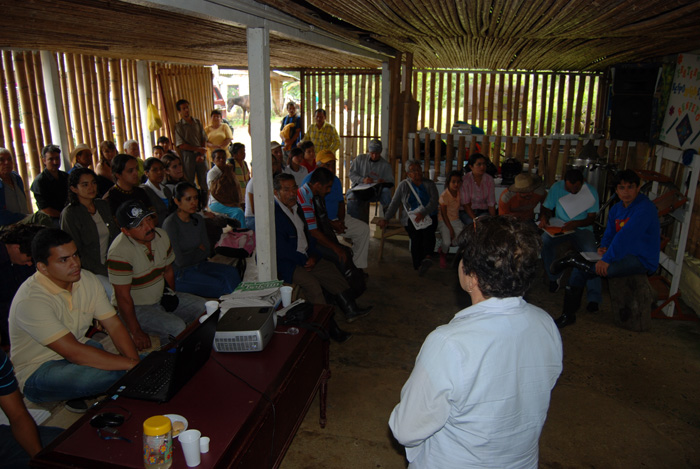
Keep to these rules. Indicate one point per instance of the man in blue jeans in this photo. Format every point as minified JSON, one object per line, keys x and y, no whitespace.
{"x":140,"y":266}
{"x":630,"y":244}
{"x":580,"y":223}
{"x":49,"y":317}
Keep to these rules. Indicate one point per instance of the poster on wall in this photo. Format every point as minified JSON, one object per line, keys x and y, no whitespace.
{"x":681,"y":127}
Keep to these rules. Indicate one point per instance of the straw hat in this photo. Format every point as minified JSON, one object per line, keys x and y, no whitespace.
{"x":78,"y":149}
{"x":524,"y":182}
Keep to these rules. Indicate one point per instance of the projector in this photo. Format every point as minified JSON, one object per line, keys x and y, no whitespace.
{"x":244,"y":329}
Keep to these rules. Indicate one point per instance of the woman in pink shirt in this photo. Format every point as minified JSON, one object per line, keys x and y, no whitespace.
{"x":477,"y":193}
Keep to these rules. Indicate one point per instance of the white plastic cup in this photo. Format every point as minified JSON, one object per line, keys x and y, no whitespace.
{"x":189,"y":440}
{"x":432,"y":174}
{"x":211,"y":306}
{"x":286,"y":296}
{"x":204,"y":444}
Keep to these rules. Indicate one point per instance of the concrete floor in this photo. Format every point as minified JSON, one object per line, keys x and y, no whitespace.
{"x":624,"y":399}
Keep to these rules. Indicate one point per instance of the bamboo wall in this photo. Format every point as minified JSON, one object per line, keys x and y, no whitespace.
{"x":100,"y":101}
{"x":352,"y":101}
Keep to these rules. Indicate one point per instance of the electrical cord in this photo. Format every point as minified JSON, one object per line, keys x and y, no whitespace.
{"x":264,"y":396}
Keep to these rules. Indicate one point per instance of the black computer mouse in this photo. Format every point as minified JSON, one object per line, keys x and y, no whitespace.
{"x":107,"y":419}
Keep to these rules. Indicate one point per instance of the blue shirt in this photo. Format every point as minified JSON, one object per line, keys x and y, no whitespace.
{"x":557,"y":191}
{"x":633,"y":230}
{"x":334,"y":197}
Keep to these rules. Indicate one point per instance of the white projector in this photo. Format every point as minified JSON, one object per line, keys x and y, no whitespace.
{"x":244,"y":329}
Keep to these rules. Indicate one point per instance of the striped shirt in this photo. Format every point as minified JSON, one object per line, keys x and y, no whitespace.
{"x":131,"y":263}
{"x":306,"y":199}
{"x":325,"y":138}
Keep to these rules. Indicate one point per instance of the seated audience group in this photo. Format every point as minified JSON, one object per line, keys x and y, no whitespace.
{"x":126,"y":247}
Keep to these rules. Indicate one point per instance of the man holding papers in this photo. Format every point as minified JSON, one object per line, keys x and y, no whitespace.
{"x":630,"y":244}
{"x":372,"y":179}
{"x":567,"y":215}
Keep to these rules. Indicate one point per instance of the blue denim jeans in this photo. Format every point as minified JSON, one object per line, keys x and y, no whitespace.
{"x":208,"y":279}
{"x":61,"y":380}
{"x":354,"y":205}
{"x":628,"y":265}
{"x":250,"y":223}
{"x":154,"y":319}
{"x":582,"y":241}
{"x":231,"y":212}
{"x":12,"y":455}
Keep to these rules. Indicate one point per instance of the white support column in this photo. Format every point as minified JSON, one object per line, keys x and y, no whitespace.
{"x":259,"y":78}
{"x":144,"y":92}
{"x":386,"y":108}
{"x":54,"y":104}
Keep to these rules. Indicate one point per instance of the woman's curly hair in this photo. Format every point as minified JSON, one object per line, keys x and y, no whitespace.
{"x":503,"y":254}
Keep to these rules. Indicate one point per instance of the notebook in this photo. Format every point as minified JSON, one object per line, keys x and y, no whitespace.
{"x":160,"y":375}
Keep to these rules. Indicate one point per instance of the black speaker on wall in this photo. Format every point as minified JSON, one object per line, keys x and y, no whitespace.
{"x":633,"y":105}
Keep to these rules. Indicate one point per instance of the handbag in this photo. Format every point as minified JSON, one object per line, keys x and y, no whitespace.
{"x":152,"y":117}
{"x":224,"y":189}
{"x":236,"y":243}
{"x":426,"y":221}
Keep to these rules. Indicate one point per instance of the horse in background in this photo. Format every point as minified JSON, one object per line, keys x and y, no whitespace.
{"x":242,"y":101}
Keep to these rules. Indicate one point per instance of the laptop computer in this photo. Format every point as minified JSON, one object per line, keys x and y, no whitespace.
{"x":161,"y":374}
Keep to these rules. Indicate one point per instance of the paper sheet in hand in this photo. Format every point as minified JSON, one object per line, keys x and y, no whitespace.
{"x":591,"y":256}
{"x":361,"y":187}
{"x":575,"y":204}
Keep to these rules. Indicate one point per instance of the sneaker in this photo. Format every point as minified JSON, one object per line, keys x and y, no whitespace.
{"x":77,"y":406}
{"x":592,"y":307}
{"x":424,"y":266}
{"x":554,"y":285}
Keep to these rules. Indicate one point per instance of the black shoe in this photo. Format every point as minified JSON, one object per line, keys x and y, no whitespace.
{"x":352,"y":312}
{"x":572,"y":302}
{"x":424,"y":266}
{"x":77,"y":406}
{"x":336,"y":333}
{"x":554,"y":285}
{"x":571,"y":259}
{"x":565,"y":320}
{"x":592,"y":307}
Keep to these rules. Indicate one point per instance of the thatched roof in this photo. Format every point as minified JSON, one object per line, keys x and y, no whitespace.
{"x":498,"y":34}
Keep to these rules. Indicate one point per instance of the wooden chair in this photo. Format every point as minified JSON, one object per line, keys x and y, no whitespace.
{"x":393,"y":228}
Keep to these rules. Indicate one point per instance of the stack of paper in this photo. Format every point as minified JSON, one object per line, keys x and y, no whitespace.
{"x":253,"y":294}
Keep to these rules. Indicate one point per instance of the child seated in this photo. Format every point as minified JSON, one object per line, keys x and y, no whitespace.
{"x":294,"y":167}
{"x":448,"y":217}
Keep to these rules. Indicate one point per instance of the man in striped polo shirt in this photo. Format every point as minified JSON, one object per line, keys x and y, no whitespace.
{"x":140,"y":268}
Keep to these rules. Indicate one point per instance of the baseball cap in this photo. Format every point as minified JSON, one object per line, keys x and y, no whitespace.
{"x":324,"y":156}
{"x":374,"y":146}
{"x":131,"y":213}
{"x":274,"y":145}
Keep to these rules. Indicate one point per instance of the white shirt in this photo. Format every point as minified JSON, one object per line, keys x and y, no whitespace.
{"x":479,"y":392}
{"x":298,"y":175}
{"x":248,"y":198}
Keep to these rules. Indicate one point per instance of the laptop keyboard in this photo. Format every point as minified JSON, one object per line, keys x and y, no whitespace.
{"x":156,"y":380}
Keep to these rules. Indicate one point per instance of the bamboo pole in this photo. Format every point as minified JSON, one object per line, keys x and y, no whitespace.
{"x":571,"y":82}
{"x":361,"y":108}
{"x":533,"y":105}
{"x":27,"y":117}
{"x":423,"y":117}
{"x":449,"y":157}
{"x":63,"y":80}
{"x":128,"y":88}
{"x":482,"y":100}
{"x":117,"y":108}
{"x":458,"y":90}
{"x":560,"y":102}
{"x":33,"y":99}
{"x":87,"y":115}
{"x":448,"y":100}
{"x":371,"y":111}
{"x":552,"y":163}
{"x":355,"y":121}
{"x":44,"y":121}
{"x":461,"y":151}
{"x":579,"y":105}
{"x":13,"y":102}
{"x":416,"y":153}
{"x":589,"y":108}
{"x":432,"y":100}
{"x":406,"y":108}
{"x":438,"y":153}
{"x":525,"y":101}
{"x":491,"y":99}
{"x":550,"y":112}
{"x":96,"y":110}
{"x":137,"y":106}
{"x":438,"y":104}
{"x":509,"y":107}
{"x":426,"y":153}
{"x":5,"y":113}
{"x":103,"y":97}
{"x":74,"y":105}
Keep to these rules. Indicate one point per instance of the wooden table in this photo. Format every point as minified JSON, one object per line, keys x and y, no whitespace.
{"x":249,"y":404}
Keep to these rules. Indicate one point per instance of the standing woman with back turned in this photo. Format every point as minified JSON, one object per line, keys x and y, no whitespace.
{"x":188,"y":237}
{"x":479,"y":392}
{"x":90,"y":223}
